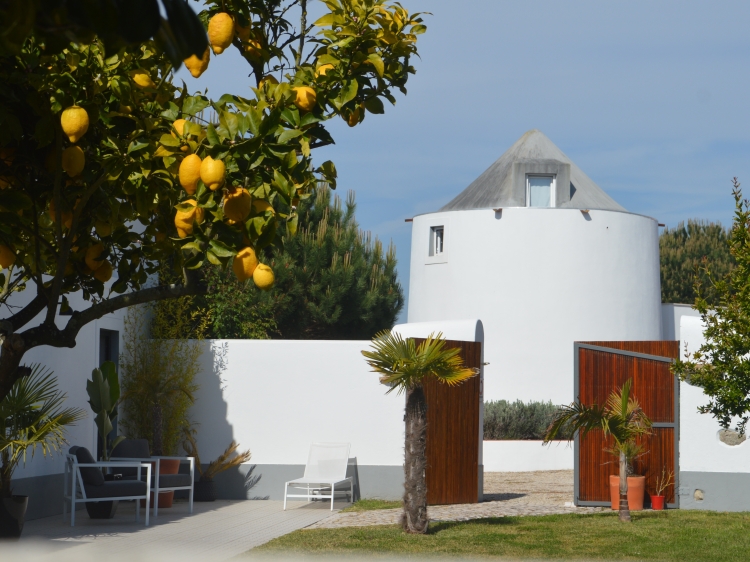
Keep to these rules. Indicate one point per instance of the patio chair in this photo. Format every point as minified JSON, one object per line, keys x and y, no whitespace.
{"x":137,"y":450}
{"x":326,"y":467}
{"x":87,"y":483}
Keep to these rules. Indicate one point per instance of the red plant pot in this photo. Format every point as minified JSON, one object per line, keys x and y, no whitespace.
{"x":657,"y":503}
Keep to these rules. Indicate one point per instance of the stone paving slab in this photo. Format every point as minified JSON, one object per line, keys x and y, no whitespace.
{"x":216,"y":531}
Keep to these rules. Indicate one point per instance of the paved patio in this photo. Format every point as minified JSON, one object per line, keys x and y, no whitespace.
{"x":216,"y":531}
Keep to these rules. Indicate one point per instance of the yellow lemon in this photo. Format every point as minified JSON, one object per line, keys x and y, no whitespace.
{"x":184,"y":220}
{"x":93,"y":255}
{"x":244,"y":263}
{"x":75,"y":122}
{"x":355,"y":116}
{"x":261,"y":206}
{"x":104,"y":272}
{"x":103,"y":228}
{"x":237,"y":205}
{"x":242,"y":32}
{"x":263,"y":277}
{"x":142,"y":79}
{"x":7,"y":257}
{"x":322,"y":69}
{"x":198,"y":66}
{"x":179,"y":126}
{"x":212,"y":173}
{"x":253,"y":49}
{"x":66,"y":216}
{"x":305,"y":98}
{"x":190,"y":173}
{"x":220,"y":32}
{"x":73,"y":160}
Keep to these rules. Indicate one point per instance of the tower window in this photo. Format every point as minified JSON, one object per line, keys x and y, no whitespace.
{"x":540,"y":191}
{"x":437,"y":238}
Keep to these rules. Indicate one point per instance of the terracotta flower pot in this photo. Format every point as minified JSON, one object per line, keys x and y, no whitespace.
{"x":165,"y":498}
{"x":636,"y":492}
{"x":657,"y":503}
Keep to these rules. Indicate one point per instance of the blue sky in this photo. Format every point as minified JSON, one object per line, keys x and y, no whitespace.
{"x":650,"y":99}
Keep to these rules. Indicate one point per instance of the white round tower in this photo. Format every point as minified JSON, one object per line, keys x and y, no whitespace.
{"x":544,"y":257}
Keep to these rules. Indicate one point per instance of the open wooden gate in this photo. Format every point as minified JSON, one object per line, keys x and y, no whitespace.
{"x":453,"y":434}
{"x":600,"y":368}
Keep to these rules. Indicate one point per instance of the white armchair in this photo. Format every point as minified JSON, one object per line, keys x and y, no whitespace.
{"x":326,"y":467}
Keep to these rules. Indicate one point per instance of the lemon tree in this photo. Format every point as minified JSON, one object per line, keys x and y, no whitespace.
{"x":108,"y":169}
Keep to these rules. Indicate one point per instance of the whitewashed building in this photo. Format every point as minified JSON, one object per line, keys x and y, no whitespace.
{"x":544,"y":257}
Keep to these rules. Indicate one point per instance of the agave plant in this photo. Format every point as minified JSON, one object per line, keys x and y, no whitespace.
{"x":31,"y":417}
{"x":622,"y":418}
{"x":403,"y":366}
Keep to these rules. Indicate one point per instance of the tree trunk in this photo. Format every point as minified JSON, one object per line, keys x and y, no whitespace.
{"x":414,"y":518}
{"x":12,"y":351}
{"x":624,"y":507}
{"x":157,"y":421}
{"x":5,"y":472}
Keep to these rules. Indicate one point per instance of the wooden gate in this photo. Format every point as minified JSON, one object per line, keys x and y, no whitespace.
{"x":453,"y":433}
{"x":600,"y":368}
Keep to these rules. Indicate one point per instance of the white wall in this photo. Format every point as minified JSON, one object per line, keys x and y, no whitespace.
{"x":671,"y":313}
{"x":527,"y":456}
{"x":539,"y":279}
{"x":72,"y":367}
{"x":275,"y":397}
{"x":700,"y":447}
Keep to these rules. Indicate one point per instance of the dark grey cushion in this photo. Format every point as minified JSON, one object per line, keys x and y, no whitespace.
{"x":165,"y":480}
{"x":117,"y":489}
{"x":174,"y":480}
{"x":91,"y":476}
{"x":130,"y":449}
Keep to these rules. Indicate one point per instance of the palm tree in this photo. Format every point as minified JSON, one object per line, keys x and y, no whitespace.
{"x":621,"y":417}
{"x":31,"y":416}
{"x":403,"y":366}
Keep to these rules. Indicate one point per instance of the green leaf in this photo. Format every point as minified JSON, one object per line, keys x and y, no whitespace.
{"x":212,"y":136}
{"x":136,"y":146}
{"x":212,"y":258}
{"x":328,"y":19}
{"x":288,"y":135}
{"x":193,"y":105}
{"x":418,"y":29}
{"x":169,"y":140}
{"x":221,"y":250}
{"x":348,"y":93}
{"x":255,"y":117}
{"x":377,"y":62}
{"x":15,"y":200}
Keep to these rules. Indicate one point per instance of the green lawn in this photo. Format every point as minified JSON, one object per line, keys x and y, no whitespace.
{"x":369,"y":505}
{"x":668,"y":535}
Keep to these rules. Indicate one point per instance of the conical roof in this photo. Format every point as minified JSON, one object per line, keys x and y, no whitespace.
{"x":501,"y":185}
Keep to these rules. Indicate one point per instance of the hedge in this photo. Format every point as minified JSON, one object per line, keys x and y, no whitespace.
{"x":505,"y":420}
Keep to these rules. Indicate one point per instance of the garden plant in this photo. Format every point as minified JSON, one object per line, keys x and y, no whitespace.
{"x":104,"y":398}
{"x":721,"y":366}
{"x":621,"y":418}
{"x":108,"y":169}
{"x":403,"y":365}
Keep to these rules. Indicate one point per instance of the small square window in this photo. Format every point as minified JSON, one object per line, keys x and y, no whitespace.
{"x":540,"y":191}
{"x":437,"y":240}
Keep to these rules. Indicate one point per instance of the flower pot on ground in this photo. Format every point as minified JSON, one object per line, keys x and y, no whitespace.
{"x":636,"y":492}
{"x":30,"y":416}
{"x":101,"y":510}
{"x":663,"y":481}
{"x":166,"y":466}
{"x":204,"y":490}
{"x":12,"y":515}
{"x":657,"y":503}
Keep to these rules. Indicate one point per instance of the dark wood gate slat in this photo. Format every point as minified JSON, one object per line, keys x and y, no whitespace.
{"x":453,"y":434}
{"x":599,"y":372}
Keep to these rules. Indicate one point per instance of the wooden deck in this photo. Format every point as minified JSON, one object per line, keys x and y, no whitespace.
{"x":216,"y":531}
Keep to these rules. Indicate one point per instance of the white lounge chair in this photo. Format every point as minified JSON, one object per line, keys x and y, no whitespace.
{"x":326,"y":467}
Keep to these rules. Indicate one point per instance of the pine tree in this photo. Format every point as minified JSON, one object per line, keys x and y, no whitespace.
{"x":685,"y":250}
{"x":333,"y":281}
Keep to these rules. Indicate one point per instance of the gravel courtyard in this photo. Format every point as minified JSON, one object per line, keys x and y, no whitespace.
{"x":505,"y":494}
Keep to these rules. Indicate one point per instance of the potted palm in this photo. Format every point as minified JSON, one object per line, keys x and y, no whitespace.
{"x":31,"y":416}
{"x":403,"y":366}
{"x":204,"y":489}
{"x":622,"y":418}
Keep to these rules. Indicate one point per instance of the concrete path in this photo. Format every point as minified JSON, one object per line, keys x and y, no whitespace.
{"x":216,"y":531}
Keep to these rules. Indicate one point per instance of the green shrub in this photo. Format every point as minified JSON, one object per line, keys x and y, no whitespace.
{"x":505,"y":420}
